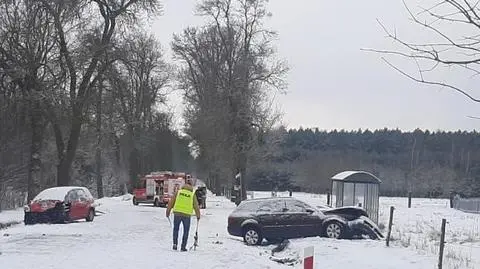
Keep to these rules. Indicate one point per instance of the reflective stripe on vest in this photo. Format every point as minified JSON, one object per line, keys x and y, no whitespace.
{"x":184,"y":202}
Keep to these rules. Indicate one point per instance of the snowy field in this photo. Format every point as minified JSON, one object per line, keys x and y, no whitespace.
{"x":419,"y":228}
{"x":11,"y":216}
{"x":140,"y":237}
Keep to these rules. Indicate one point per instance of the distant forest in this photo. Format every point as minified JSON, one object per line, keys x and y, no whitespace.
{"x":429,"y":164}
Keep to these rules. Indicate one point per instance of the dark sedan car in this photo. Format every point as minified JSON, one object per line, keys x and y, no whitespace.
{"x":282,"y":218}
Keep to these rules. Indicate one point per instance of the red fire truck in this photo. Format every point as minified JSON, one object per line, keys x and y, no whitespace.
{"x":159,"y":187}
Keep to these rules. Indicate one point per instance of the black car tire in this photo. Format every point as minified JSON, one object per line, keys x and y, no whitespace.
{"x":252,"y":235}
{"x":134,"y":201}
{"x":156,"y":203}
{"x":91,"y":215}
{"x":334,"y":229}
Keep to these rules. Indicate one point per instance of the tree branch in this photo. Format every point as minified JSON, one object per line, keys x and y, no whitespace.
{"x":421,"y":80}
{"x":434,"y":53}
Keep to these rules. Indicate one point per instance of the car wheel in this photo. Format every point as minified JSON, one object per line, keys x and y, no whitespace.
{"x":134,"y":201}
{"x":252,"y":235}
{"x":156,"y":203}
{"x":334,"y":229}
{"x":91,"y":215}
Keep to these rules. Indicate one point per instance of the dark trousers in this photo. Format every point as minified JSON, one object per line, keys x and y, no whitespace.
{"x":177,"y":219}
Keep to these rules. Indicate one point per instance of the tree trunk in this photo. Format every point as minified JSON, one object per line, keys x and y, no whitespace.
{"x":133,"y":162}
{"x":35,"y":165}
{"x":242,"y":167}
{"x":1,"y":193}
{"x":134,"y":170}
{"x":240,"y":162}
{"x":218,"y":185}
{"x":65,"y":163}
{"x":98,"y":154}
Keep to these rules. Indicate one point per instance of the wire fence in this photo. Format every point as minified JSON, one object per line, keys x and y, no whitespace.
{"x":470,"y":205}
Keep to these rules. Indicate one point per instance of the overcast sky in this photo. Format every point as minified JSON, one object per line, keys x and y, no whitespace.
{"x":335,"y":85}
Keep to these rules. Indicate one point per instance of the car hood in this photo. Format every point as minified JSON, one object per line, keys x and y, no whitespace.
{"x":349,"y":210}
{"x":54,"y":194}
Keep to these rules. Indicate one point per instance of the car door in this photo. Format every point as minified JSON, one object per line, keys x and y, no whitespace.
{"x":83,"y":203}
{"x":90,"y":199}
{"x":73,"y":201}
{"x":269,"y":215}
{"x":301,"y":220}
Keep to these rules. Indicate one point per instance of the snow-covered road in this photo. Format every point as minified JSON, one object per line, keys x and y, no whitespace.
{"x":130,"y":236}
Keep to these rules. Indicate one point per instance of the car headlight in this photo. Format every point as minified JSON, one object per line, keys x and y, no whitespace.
{"x":26,"y":208}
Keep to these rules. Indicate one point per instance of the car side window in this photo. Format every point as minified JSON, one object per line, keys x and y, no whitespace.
{"x":296,"y":206}
{"x":265,"y":208}
{"x":72,"y":196}
{"x":278,"y":206}
{"x":88,"y":194}
{"x":82,"y":196}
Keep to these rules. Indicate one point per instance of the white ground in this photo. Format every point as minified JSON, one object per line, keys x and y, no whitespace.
{"x":11,"y":215}
{"x":140,"y":237}
{"x":419,"y":228}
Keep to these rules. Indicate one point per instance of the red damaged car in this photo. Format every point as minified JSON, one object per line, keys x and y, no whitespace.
{"x":60,"y":205}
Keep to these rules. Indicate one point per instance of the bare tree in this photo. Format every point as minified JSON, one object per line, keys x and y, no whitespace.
{"x":139,"y":82}
{"x":250,"y":71}
{"x":25,"y":51}
{"x":449,"y":49}
{"x":229,"y":72}
{"x":98,"y":150}
{"x":96,"y":22}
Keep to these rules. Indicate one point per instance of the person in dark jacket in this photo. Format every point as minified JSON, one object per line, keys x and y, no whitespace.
{"x":201,"y":194}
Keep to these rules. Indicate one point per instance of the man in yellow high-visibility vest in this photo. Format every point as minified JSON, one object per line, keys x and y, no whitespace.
{"x":183,"y":203}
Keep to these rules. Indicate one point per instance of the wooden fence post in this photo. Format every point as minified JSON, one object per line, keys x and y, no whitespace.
{"x":442,"y":244}
{"x":390,"y":223}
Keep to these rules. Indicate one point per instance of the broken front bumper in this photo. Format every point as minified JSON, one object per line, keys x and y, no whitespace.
{"x":365,"y":226}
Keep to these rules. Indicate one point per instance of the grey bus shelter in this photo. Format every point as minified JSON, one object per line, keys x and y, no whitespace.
{"x":357,"y":188}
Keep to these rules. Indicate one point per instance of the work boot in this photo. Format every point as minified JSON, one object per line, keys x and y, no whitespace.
{"x":174,"y":247}
{"x":183,"y":249}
